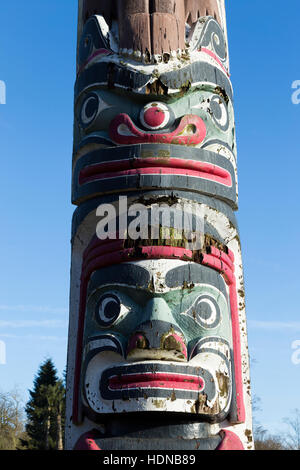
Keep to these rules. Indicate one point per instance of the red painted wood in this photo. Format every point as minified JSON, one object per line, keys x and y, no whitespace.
{"x":87,"y":441}
{"x":157,"y":252}
{"x":157,"y":380}
{"x":229,"y":276}
{"x":230,"y":441}
{"x":147,"y":165}
{"x":215,"y":57}
{"x":122,"y":125}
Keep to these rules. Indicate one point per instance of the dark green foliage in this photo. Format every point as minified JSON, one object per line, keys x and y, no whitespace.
{"x":45,"y":410}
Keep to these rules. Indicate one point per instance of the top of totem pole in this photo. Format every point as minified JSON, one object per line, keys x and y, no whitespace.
{"x":154,"y":73}
{"x":155,"y":31}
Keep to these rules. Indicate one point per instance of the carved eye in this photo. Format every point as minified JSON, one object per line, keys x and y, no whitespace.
{"x":108,"y":310}
{"x":92,"y":106}
{"x":89,"y":110}
{"x":219,"y":111}
{"x":206,"y":312}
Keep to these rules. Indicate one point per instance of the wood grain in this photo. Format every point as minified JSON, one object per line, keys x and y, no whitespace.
{"x":151,"y":26}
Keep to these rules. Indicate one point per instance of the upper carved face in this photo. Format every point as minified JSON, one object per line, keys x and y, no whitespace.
{"x":195,"y":119}
{"x":126,"y":142}
{"x":157,"y":337}
{"x":123,"y":103}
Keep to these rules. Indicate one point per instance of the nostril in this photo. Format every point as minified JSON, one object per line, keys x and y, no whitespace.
{"x":141,"y":342}
{"x":174,"y":342}
{"x":171,"y":343}
{"x":138,"y":341}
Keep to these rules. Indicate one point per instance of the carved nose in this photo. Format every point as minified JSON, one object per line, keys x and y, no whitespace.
{"x":155,"y":116}
{"x":158,"y":338}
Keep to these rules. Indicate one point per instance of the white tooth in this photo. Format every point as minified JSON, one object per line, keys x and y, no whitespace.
{"x":156,"y":59}
{"x":124,"y":52}
{"x":146,"y":59}
{"x":137,"y":56}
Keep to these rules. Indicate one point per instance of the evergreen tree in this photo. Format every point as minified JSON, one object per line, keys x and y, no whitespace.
{"x":45,"y":410}
{"x":55,"y":395}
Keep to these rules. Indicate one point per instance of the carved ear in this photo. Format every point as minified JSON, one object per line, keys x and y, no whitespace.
{"x":194,"y":9}
{"x":106,"y":8}
{"x":91,"y":40}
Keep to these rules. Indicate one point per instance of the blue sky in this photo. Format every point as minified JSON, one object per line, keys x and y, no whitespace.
{"x":37,"y":63}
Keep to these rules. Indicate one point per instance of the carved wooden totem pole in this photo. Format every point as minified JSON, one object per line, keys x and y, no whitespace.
{"x":158,"y":355}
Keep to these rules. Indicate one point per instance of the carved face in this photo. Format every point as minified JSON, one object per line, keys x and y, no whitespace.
{"x":193,"y":120}
{"x":157,"y":337}
{"x":132,"y":118}
{"x":139,"y":144}
{"x":117,"y":98}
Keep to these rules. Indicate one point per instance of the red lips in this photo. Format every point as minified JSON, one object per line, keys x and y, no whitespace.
{"x":155,"y":166}
{"x":157,"y":380}
{"x":191,"y":131}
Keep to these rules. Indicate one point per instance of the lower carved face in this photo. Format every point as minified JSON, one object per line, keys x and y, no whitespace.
{"x":157,"y":338}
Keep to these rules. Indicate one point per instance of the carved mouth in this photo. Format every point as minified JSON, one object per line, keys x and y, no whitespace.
{"x":155,"y":380}
{"x":191,"y":131}
{"x":155,"y":166}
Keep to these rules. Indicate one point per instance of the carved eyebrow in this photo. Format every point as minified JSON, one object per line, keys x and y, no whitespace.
{"x":136,"y":276}
{"x":195,"y":274}
{"x":126,"y":274}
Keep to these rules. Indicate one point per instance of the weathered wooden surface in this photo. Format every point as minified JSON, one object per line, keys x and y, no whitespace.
{"x":152,"y":27}
{"x":157,"y":355}
{"x":194,"y":9}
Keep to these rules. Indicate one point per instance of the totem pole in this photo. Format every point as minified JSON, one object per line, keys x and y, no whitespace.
{"x":158,"y":356}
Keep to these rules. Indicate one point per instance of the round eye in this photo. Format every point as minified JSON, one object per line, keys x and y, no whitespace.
{"x":155,"y":116}
{"x":219,"y":112}
{"x":89,"y":109}
{"x":206,"y":312}
{"x":108,"y":310}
